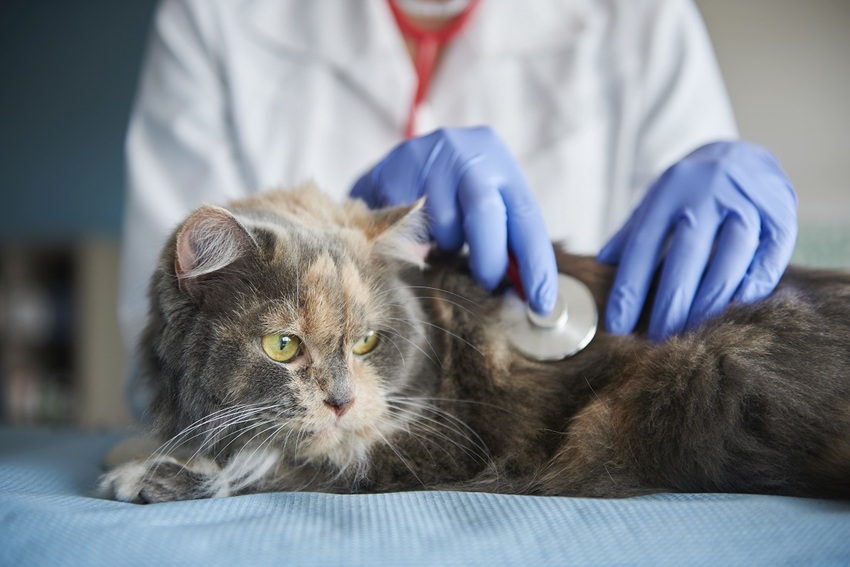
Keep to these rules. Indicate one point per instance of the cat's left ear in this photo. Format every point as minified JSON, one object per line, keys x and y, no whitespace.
{"x":210,"y":240}
{"x":401,"y":232}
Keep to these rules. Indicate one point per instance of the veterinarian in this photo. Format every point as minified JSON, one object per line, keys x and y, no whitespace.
{"x":575,"y":120}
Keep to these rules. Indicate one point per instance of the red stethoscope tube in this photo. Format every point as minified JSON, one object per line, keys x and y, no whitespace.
{"x":428,"y":43}
{"x":513,"y":274}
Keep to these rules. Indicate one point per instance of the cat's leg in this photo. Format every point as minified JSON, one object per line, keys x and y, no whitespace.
{"x":162,"y":479}
{"x":590,"y":463}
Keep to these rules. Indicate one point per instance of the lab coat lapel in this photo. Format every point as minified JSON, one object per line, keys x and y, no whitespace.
{"x":356,"y":37}
{"x":509,"y":27}
{"x":548,"y":40}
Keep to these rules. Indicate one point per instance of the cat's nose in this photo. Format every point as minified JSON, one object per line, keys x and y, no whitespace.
{"x":340,"y":405}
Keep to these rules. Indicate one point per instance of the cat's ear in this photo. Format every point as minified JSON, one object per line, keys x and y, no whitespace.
{"x":402,"y":232}
{"x":210,"y":240}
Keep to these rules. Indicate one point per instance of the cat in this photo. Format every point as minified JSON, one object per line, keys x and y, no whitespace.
{"x":297,"y":343}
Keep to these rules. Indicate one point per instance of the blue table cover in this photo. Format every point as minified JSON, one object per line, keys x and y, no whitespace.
{"x":50,"y":516}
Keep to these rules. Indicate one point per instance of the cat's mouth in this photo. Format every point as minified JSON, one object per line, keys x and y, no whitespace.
{"x":339,"y":442}
{"x":338,"y":432}
{"x":325,"y":433}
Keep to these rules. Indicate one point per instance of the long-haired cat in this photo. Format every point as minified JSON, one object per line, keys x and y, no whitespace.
{"x":299,"y":344}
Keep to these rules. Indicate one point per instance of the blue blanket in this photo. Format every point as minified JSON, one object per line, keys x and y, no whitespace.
{"x":49,"y":516}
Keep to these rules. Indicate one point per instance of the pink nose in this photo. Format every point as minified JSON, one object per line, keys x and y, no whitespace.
{"x":340,"y":407}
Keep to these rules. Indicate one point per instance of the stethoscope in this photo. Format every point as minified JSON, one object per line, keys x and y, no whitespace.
{"x":428,"y":42}
{"x":573,"y":322}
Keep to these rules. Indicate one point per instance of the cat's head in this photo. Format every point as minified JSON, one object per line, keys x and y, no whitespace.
{"x":284,"y":316}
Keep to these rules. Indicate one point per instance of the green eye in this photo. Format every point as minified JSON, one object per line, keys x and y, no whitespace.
{"x":366,"y":344}
{"x":280,"y":347}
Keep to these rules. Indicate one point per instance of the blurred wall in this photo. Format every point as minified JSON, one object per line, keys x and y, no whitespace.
{"x":68,"y":70}
{"x":787,"y":68}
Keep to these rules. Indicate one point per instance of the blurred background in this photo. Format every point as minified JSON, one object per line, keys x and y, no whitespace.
{"x":68,"y":71}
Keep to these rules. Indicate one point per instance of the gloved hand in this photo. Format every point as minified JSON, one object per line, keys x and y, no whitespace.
{"x":476,"y":193}
{"x":723,"y":221}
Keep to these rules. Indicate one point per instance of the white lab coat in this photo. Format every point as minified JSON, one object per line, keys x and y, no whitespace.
{"x":594,"y":97}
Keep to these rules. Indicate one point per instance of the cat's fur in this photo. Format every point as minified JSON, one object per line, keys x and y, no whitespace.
{"x":755,"y":400}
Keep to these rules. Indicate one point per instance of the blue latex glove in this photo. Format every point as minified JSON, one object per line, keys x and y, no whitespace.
{"x":476,"y":193}
{"x":726,"y":217}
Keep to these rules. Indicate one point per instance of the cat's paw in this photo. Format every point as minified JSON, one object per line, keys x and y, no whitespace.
{"x":161,"y":479}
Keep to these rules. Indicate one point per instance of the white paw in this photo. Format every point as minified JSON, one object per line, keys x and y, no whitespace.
{"x":161,"y":479}
{"x":125,"y":482}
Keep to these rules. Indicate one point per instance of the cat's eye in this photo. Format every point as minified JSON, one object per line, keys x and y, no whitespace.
{"x":280,"y":347}
{"x":366,"y":344}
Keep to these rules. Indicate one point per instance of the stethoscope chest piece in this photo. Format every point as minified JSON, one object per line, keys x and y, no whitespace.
{"x":566,"y":331}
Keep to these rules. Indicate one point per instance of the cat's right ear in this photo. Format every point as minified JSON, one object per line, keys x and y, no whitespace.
{"x":210,"y":240}
{"x":401,"y":232}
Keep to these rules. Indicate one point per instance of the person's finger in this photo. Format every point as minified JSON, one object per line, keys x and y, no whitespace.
{"x":485,"y":226}
{"x":639,"y":259}
{"x":441,"y":181}
{"x":734,"y":249}
{"x":684,"y":266}
{"x":398,"y":179}
{"x":770,"y":260}
{"x":769,"y":189}
{"x":530,"y":243}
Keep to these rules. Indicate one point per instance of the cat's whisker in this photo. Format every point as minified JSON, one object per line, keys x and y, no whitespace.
{"x":301,"y":435}
{"x":417,"y":414}
{"x":168,"y":446}
{"x":419,"y":417}
{"x":183,"y":436}
{"x":433,"y":436}
{"x":355,"y":465}
{"x":423,"y":439}
{"x":211,"y":440}
{"x":268,"y":442}
{"x":273,"y":437}
{"x":213,"y":435}
{"x":502,"y":409}
{"x":405,"y":426}
{"x":216,"y":434}
{"x":437,"y":297}
{"x":477,"y":443}
{"x":436,"y":362}
{"x":258,"y":430}
{"x":400,"y":352}
{"x":426,"y":298}
{"x":243,"y":476}
{"x":244,"y":430}
{"x":444,"y":330}
{"x":421,"y":331}
{"x":482,"y":452}
{"x":290,"y":455}
{"x":411,"y":322}
{"x":311,"y":482}
{"x":401,"y":458}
